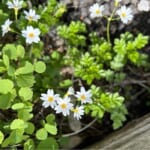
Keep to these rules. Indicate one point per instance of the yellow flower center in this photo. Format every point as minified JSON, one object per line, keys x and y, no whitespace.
{"x":83,"y":97}
{"x":97,"y":11}
{"x":63,"y":106}
{"x":75,"y":110}
{"x":123,"y":14}
{"x":50,"y":99}
{"x":31,"y":34}
{"x":30,"y":18}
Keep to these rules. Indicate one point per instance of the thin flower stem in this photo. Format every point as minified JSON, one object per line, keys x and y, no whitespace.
{"x":30,"y":51}
{"x":16,"y":14}
{"x":12,"y":30}
{"x":108,"y":24}
{"x":108,"y":30}
{"x":79,"y":131}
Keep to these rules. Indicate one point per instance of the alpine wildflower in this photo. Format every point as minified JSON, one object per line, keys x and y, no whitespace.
{"x":96,"y":10}
{"x":78,"y":112}
{"x":49,"y":99}
{"x":15,"y":4}
{"x":31,"y":34}
{"x":70,"y":91}
{"x":84,"y":96}
{"x":125,"y":14}
{"x":31,"y":15}
{"x":64,"y":106}
{"x":117,"y":2}
{"x":6,"y":27}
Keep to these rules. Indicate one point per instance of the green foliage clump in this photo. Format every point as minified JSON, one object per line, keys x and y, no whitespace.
{"x":103,"y":63}
{"x":22,"y":66}
{"x":28,"y":68}
{"x":107,"y":102}
{"x":74,"y":33}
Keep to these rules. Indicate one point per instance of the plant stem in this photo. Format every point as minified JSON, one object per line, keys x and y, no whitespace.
{"x":16,"y":14}
{"x":82,"y":129}
{"x":108,"y":24}
{"x":108,"y":29}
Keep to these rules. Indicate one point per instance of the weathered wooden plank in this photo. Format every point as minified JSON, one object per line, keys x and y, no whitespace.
{"x":134,"y":136}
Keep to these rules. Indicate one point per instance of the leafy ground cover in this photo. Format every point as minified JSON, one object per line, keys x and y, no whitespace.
{"x":62,"y":76}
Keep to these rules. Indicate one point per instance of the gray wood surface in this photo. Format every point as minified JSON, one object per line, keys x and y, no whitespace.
{"x":134,"y":136}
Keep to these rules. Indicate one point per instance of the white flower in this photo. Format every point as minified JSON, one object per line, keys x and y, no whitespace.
{"x":117,"y":2}
{"x":84,"y":96}
{"x":6,"y":27}
{"x":125,"y":14}
{"x":31,"y":34}
{"x":15,"y":4}
{"x":144,"y":5}
{"x":78,"y":112}
{"x":96,"y":10}
{"x":64,"y":106}
{"x":70,"y":91}
{"x":49,"y":99}
{"x":31,"y":15}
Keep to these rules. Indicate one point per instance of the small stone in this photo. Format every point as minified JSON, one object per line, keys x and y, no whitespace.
{"x":144,"y":5}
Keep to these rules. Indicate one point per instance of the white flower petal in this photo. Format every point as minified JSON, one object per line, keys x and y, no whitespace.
{"x":31,"y":35}
{"x":96,"y":10}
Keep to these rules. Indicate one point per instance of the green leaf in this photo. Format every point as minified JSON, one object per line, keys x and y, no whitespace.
{"x":43,"y":28}
{"x":3,"y":16}
{"x":5,"y":101}
{"x":41,"y":134}
{"x":10,"y":50}
{"x":13,"y":52}
{"x":111,"y":100}
{"x":30,"y":129}
{"x":29,"y":145}
{"x":66,"y":83}
{"x":26,"y":93}
{"x":55,"y":55}
{"x":26,"y":69}
{"x":140,"y":41}
{"x":26,"y":80}
{"x":48,"y":144}
{"x":39,"y":67}
{"x":50,"y":119}
{"x":51,"y":129}
{"x":6,"y":86}
{"x":118,"y":116}
{"x":1,"y":137}
{"x":18,"y":106}
{"x":11,"y":71}
{"x":16,"y":136}
{"x":2,"y":66}
{"x":6,"y":61}
{"x":24,"y":114}
{"x":18,"y":124}
{"x":20,"y":51}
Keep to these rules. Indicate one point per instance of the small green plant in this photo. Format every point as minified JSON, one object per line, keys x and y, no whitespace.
{"x":102,"y":62}
{"x":22,"y":63}
{"x":31,"y":118}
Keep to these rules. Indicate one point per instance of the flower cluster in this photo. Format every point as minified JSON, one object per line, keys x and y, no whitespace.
{"x":124,"y":13}
{"x":31,"y":34}
{"x":66,"y":105}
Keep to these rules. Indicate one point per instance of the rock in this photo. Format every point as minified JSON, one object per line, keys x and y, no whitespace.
{"x":66,"y":2}
{"x":134,"y":136}
{"x":144,"y":5}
